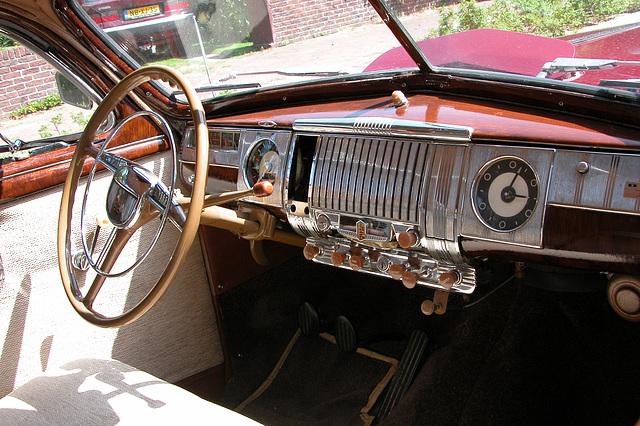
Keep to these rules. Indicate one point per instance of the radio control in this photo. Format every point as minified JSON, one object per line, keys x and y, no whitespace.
{"x":338,"y":258}
{"x":357,"y":262}
{"x":410,"y":279}
{"x":407,"y":239}
{"x":449,"y":279}
{"x":310,"y":252}
{"x":396,"y":271}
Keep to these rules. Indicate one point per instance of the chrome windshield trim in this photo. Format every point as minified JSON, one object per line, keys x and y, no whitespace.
{"x":385,"y":127}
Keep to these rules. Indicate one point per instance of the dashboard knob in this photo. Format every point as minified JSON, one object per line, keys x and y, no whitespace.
{"x":396,"y":271}
{"x":357,"y":262}
{"x":310,"y":252}
{"x":410,"y":279}
{"x":407,"y":239}
{"x":338,"y":258}
{"x":428,"y":307}
{"x":624,"y":296}
{"x":448,"y":279}
{"x":399,"y":99}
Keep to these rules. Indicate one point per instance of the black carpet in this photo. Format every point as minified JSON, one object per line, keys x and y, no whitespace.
{"x":318,"y":384}
{"x":522,"y":356}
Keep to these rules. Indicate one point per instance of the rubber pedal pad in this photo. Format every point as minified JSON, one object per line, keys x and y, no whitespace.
{"x":405,"y":373}
{"x":309,"y":320}
{"x":346,"y":336}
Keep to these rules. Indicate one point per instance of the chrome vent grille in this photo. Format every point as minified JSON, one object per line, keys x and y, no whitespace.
{"x":372,"y":177}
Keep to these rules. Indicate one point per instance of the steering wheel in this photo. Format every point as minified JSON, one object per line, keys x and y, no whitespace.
{"x":135,"y":197}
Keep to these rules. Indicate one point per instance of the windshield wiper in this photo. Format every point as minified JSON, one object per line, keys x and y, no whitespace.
{"x":574,"y":65}
{"x":286,"y":73}
{"x":217,"y":88}
{"x":631,"y":84}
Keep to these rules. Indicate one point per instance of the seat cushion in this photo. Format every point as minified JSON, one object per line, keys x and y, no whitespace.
{"x":107,"y":392}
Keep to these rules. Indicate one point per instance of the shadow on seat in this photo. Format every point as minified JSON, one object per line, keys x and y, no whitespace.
{"x":107,"y":392}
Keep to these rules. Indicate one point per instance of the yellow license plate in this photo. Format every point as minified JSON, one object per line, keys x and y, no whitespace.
{"x":142,"y":12}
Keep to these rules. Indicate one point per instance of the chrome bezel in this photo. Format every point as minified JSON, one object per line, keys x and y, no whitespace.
{"x":246,"y":159}
{"x":474,"y":190}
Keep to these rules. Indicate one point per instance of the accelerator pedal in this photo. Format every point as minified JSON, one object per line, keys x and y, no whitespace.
{"x":404,"y":374}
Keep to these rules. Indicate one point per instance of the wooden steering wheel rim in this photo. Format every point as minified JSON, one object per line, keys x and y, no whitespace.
{"x":190,"y":227}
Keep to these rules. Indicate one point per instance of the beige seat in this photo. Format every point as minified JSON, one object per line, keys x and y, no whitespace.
{"x":108,"y":392}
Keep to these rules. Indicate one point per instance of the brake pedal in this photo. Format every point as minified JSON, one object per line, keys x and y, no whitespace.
{"x":346,"y":336}
{"x":404,"y":374}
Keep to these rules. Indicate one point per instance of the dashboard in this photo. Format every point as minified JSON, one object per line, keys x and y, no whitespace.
{"x":425,"y":202}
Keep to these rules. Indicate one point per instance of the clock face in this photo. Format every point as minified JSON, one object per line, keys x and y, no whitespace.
{"x":505,"y":193}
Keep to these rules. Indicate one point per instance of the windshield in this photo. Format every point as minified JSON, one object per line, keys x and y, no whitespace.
{"x":226,"y":46}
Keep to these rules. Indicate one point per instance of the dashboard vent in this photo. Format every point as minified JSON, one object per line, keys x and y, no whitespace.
{"x":372,"y":177}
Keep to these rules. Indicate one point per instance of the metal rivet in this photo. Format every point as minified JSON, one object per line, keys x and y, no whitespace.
{"x":583,"y":167}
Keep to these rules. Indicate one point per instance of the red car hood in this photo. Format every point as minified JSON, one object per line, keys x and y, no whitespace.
{"x":497,"y":50}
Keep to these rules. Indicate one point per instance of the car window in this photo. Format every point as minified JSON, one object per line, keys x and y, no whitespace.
{"x":31,"y":107}
{"x":238,"y":45}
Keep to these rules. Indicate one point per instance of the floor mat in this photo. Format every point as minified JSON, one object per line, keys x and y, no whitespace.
{"x":316,"y":383}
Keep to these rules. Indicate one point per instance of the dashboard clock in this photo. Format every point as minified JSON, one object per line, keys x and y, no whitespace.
{"x":505,"y":193}
{"x":262,"y":162}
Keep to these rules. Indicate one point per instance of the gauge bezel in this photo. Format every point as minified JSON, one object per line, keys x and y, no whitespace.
{"x":474,"y":194}
{"x":247,"y":159}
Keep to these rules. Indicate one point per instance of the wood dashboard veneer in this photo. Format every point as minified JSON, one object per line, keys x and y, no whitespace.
{"x":575,"y":238}
{"x":491,"y":122}
{"x":46,"y":170}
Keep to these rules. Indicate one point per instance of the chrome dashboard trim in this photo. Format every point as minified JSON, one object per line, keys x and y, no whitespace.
{"x":372,"y":177}
{"x":385,"y":127}
{"x":602,"y":187}
{"x":530,"y":234}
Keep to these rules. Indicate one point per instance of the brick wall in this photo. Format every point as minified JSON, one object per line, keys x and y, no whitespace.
{"x":291,"y":18}
{"x":24,"y":78}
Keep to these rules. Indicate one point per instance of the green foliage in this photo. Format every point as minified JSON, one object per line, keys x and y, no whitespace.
{"x":446,"y":24}
{"x":471,"y":16}
{"x":44,"y":131}
{"x":45,"y":104}
{"x":79,"y":119}
{"x":57,"y":121}
{"x":6,"y":42}
{"x":229,"y":24}
{"x":551,"y":18}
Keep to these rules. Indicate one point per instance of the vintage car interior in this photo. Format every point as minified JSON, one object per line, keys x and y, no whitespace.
{"x":427,"y":230}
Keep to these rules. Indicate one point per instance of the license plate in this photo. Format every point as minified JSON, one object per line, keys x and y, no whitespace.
{"x":142,"y":12}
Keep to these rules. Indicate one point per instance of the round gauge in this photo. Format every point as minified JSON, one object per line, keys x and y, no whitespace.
{"x":505,"y":193}
{"x":262,"y":163}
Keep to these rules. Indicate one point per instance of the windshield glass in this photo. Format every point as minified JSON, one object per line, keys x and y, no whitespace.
{"x":233,"y":45}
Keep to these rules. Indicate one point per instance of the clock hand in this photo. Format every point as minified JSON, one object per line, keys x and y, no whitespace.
{"x":521,"y":196}
{"x":515,"y":176}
